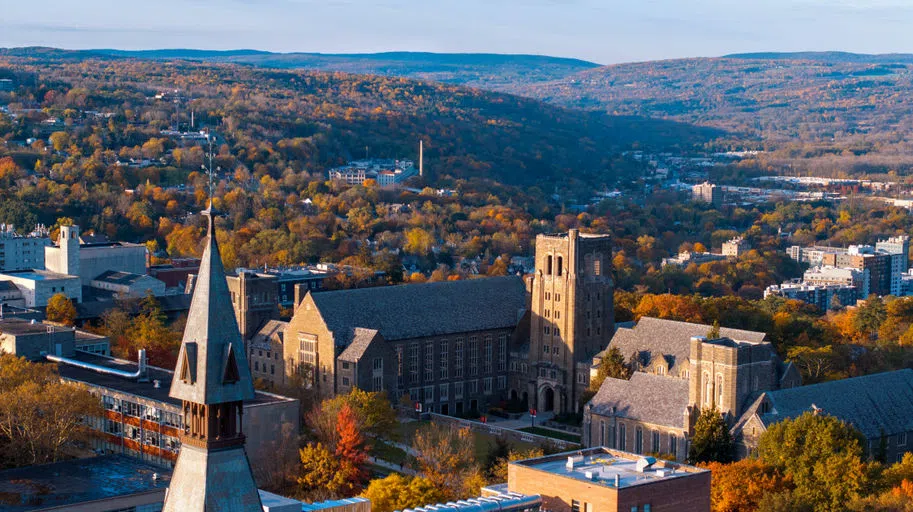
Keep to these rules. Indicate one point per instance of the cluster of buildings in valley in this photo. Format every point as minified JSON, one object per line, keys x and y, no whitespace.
{"x":731,"y":250}
{"x":386,"y":173}
{"x":840,"y":276}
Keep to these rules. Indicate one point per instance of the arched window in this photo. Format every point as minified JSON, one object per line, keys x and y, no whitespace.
{"x":638,"y":440}
{"x":708,"y":389}
{"x":560,"y":265}
{"x":622,"y":437}
{"x":548,"y":265}
{"x":719,"y":389}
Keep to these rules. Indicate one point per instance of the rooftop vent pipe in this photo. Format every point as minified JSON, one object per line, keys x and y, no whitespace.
{"x":139,"y":374}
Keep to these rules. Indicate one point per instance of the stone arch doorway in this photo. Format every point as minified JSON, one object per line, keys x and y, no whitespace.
{"x":513,"y":395}
{"x":548,"y":399}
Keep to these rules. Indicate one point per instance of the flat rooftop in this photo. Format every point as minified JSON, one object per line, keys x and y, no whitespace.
{"x":78,"y":481}
{"x":599,"y":466}
{"x":21,"y":327}
{"x":37,"y":275}
{"x":133,"y":386}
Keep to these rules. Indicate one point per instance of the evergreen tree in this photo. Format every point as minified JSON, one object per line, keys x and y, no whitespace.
{"x":711,"y":441}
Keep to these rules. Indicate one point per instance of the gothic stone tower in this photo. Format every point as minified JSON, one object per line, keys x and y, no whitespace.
{"x":572,"y":316}
{"x":212,"y":380}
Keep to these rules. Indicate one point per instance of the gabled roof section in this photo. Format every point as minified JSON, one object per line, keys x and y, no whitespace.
{"x":419,"y":310}
{"x":361,"y":340}
{"x":654,"y":337}
{"x":212,"y":327}
{"x":648,"y":398}
{"x":877,"y":405}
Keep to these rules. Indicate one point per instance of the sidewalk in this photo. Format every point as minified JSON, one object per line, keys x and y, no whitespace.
{"x":391,"y":466}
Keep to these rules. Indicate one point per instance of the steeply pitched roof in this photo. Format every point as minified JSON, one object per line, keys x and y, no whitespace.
{"x":266,"y":333}
{"x":646,"y":397}
{"x":212,"y":351}
{"x":652,"y":337}
{"x":877,"y":405}
{"x":419,"y":310}
{"x":360,"y":341}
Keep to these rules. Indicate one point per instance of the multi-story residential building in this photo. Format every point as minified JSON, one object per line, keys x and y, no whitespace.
{"x":265,"y":355}
{"x":447,"y":342}
{"x":825,"y":276}
{"x":572,"y":316}
{"x":19,"y":252}
{"x":708,"y":193}
{"x":885,"y":262}
{"x":879,"y":406}
{"x":824,"y":296}
{"x":605,"y":479}
{"x":736,"y":247}
{"x":678,"y":372}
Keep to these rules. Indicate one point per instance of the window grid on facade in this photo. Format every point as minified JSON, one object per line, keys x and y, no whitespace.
{"x":457,"y":390}
{"x":502,"y":352}
{"x":399,"y":366}
{"x":656,"y":447}
{"x":444,"y":392}
{"x":473,"y":355}
{"x":502,"y":382}
{"x":486,"y":360}
{"x":486,"y":385}
{"x":429,"y":361}
{"x":458,"y":358}
{"x":413,"y":363}
{"x":444,"y":355}
{"x":378,"y":383}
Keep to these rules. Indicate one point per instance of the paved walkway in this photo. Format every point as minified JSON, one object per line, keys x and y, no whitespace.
{"x":391,"y":466}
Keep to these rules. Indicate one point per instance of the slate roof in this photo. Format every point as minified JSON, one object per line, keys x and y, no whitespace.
{"x":646,"y":397}
{"x":654,"y":337}
{"x":877,"y":405}
{"x":270,"y":329}
{"x":360,"y":342}
{"x":420,"y":310}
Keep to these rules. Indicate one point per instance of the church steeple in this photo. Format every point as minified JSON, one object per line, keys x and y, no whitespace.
{"x":212,"y":380}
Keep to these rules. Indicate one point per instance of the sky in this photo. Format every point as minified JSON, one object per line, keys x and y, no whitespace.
{"x":602,"y":31}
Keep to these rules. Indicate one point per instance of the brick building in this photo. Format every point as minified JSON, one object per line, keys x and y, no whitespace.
{"x":678,"y":372}
{"x":607,"y":480}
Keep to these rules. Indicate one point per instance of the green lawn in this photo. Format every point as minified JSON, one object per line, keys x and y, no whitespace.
{"x":482,"y":442}
{"x":388,"y":452}
{"x":554,"y":434}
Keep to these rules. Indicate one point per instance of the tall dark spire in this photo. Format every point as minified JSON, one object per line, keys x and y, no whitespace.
{"x":212,"y":367}
{"x":212,"y":380}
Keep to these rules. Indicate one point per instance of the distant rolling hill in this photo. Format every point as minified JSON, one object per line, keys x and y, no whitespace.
{"x":489,"y":71}
{"x":837,"y":57}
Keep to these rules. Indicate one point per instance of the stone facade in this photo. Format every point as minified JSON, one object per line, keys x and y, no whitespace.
{"x":255,"y":300}
{"x":678,"y":372}
{"x":572,"y":316}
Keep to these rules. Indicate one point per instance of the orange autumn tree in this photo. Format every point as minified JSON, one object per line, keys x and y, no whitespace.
{"x":739,"y":486}
{"x":350,"y":449}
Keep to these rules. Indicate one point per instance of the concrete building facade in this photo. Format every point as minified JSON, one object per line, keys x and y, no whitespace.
{"x":38,"y":286}
{"x":89,"y":260}
{"x":21,"y":252}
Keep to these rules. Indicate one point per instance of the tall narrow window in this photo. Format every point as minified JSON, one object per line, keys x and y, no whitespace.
{"x":560,"y":265}
{"x":719,"y":389}
{"x":548,"y":265}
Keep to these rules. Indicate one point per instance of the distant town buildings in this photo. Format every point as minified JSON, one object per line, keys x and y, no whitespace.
{"x":707,"y":192}
{"x":884,"y":265}
{"x":823,"y":296}
{"x":683,"y":259}
{"x":736,"y":247}
{"x":387,"y":173}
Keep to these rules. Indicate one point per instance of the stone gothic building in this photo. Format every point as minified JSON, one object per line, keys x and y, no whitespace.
{"x":462,"y":346}
{"x":679,"y":371}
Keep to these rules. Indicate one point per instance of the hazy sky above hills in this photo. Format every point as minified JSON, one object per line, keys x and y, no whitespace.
{"x":605,"y":31}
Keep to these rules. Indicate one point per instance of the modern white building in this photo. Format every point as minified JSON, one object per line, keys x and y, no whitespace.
{"x":387,"y":173}
{"x":823,"y":276}
{"x":19,"y":252}
{"x":128,"y":284}
{"x":72,"y":256}
{"x":38,"y":286}
{"x":736,"y":247}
